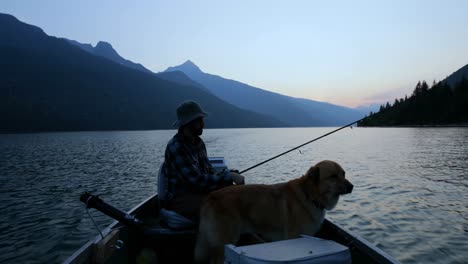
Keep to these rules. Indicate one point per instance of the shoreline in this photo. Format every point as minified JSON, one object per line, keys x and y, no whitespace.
{"x":5,"y":132}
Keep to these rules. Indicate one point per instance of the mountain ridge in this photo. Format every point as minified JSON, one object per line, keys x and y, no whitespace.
{"x":453,"y":79}
{"x":48,"y":84}
{"x":105,"y":49}
{"x":282,"y":107}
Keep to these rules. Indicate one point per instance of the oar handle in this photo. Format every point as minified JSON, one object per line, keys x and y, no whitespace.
{"x":93,"y":201}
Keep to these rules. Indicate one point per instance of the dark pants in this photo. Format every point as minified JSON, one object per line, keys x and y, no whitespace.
{"x":187,"y":205}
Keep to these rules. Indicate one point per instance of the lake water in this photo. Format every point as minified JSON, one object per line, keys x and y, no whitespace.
{"x":410,"y":194}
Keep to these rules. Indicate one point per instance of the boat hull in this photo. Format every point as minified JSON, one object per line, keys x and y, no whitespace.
{"x":157,"y":244}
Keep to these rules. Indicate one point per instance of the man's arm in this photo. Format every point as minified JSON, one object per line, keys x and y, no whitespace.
{"x":190,"y":170}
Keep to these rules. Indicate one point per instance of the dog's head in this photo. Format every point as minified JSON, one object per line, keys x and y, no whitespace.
{"x":325,"y":182}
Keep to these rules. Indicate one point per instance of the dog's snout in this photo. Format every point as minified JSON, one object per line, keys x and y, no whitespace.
{"x":349,"y":186}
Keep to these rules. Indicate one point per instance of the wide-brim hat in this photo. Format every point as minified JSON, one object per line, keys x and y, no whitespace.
{"x":187,"y":112}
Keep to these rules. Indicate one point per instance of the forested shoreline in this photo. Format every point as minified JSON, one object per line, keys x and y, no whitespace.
{"x":437,"y":105}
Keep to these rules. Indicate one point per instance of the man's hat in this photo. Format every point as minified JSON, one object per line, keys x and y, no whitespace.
{"x":188,"y":111}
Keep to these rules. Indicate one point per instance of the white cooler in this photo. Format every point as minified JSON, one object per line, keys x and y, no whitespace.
{"x":305,"y":249}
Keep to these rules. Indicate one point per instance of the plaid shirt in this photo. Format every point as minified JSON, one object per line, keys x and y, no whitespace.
{"x":188,"y":169}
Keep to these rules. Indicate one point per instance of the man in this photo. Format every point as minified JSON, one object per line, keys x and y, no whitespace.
{"x":189,"y":174}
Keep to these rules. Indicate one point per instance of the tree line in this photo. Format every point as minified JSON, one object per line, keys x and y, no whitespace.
{"x":438,"y":104}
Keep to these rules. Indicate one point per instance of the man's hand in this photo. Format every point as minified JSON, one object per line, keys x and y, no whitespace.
{"x":237,"y":178}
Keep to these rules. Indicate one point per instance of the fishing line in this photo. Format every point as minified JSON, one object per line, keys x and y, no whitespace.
{"x":315,"y":139}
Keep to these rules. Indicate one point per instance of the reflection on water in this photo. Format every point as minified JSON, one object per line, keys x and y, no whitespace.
{"x":410,"y":196}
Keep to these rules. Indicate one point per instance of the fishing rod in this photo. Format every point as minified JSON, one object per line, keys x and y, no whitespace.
{"x":315,"y":139}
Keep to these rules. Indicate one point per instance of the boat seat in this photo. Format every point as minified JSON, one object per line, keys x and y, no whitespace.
{"x":162,"y":231}
{"x":175,"y":221}
{"x":171,"y":219}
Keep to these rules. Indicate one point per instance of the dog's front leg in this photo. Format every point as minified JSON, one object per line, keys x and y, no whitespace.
{"x":285,"y":231}
{"x":218,"y":256}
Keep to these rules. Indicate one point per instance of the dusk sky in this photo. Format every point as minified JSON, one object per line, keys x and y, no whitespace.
{"x":343,"y":52}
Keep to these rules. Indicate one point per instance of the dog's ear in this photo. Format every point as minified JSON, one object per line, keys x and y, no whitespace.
{"x":314,"y":173}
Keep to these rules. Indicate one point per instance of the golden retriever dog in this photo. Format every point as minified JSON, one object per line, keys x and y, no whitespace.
{"x":272,"y":212}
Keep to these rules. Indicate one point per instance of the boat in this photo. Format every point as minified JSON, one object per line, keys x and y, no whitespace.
{"x":140,"y":236}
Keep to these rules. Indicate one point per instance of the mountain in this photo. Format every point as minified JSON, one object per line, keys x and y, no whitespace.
{"x":105,"y":49}
{"x":366,"y":109}
{"x":293,"y":111}
{"x":180,"y":78}
{"x":48,"y":84}
{"x":327,"y":113}
{"x":453,"y":79}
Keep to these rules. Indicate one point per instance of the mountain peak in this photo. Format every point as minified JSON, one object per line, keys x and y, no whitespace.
{"x":105,"y":49}
{"x":104,"y":45}
{"x":190,"y":66}
{"x":187,"y":67}
{"x":17,"y":32}
{"x":189,"y":63}
{"x":8,"y":17}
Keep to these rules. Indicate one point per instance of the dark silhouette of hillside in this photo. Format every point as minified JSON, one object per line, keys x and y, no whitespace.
{"x":48,"y":84}
{"x":180,"y":78}
{"x":105,"y":49}
{"x":329,"y":114}
{"x":453,"y":79}
{"x":292,"y":111}
{"x":439,"y":104}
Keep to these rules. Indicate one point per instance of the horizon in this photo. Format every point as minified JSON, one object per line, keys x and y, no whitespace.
{"x":309,"y":50}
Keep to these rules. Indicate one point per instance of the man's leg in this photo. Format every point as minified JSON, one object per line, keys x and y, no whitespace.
{"x":187,"y":205}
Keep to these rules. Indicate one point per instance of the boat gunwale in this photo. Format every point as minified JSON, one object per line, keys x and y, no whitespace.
{"x":359,"y":242}
{"x":85,"y":251}
{"x":364,"y":245}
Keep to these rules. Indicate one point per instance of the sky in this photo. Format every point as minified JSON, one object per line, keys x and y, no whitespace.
{"x":349,"y":53}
